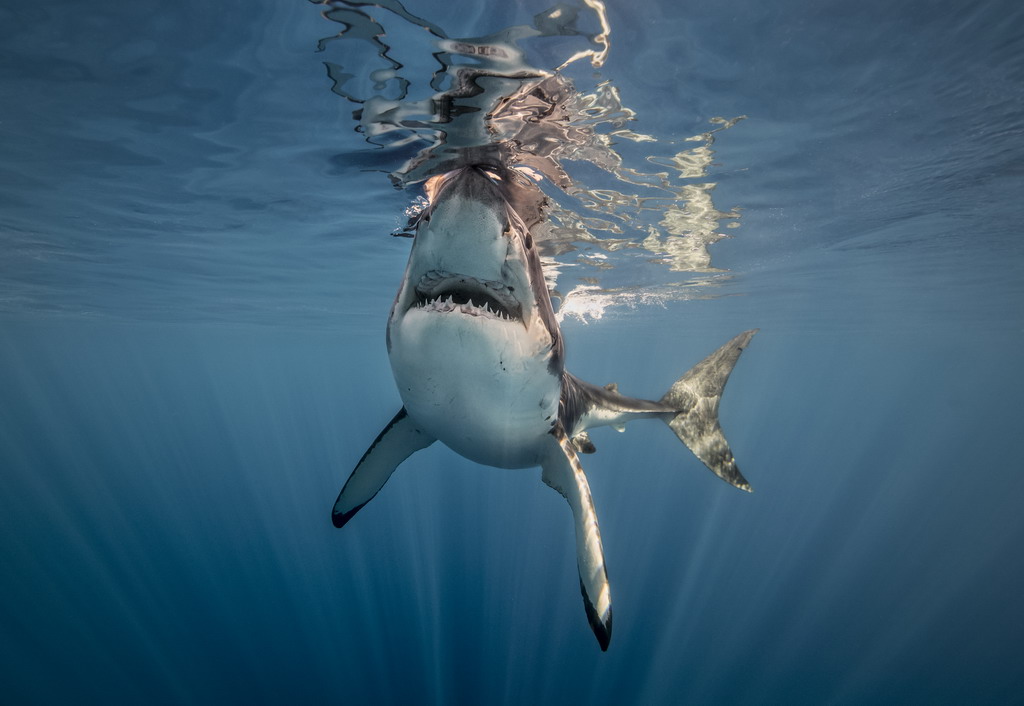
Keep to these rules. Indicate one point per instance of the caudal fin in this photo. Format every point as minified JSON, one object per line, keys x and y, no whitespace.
{"x":695,"y":395}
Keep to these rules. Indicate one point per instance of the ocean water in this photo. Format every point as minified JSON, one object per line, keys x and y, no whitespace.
{"x":195,"y":276}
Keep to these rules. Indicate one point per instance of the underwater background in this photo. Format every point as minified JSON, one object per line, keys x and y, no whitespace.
{"x":195,"y":275}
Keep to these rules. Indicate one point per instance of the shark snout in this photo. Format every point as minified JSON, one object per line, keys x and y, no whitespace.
{"x":471,"y":183}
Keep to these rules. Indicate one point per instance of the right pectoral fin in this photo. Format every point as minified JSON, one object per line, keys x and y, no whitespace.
{"x":400,"y":439}
{"x":562,"y":471}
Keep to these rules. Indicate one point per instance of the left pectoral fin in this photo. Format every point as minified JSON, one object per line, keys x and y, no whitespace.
{"x":563,"y":472}
{"x":399,"y":439}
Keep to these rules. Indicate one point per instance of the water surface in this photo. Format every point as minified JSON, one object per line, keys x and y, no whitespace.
{"x":195,"y":273}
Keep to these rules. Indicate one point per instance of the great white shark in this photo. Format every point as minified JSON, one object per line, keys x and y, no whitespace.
{"x":477,"y":355}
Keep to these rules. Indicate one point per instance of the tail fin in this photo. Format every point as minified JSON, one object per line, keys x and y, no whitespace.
{"x":695,"y":395}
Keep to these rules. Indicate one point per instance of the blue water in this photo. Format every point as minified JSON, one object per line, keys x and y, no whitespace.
{"x":195,"y":274}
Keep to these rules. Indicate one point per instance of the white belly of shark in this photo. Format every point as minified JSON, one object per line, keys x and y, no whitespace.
{"x":476,"y":383}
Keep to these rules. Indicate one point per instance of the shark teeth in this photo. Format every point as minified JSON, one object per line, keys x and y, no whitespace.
{"x":444,"y":291}
{"x":448,"y":304}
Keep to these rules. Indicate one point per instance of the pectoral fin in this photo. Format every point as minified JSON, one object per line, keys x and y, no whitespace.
{"x":563,"y":472}
{"x":400,"y":439}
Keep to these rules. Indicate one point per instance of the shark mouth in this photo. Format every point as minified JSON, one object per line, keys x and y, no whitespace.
{"x":446,"y":292}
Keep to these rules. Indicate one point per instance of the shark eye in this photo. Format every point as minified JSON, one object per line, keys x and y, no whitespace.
{"x":528,"y":241}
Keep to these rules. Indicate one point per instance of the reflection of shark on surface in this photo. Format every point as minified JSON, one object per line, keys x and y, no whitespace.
{"x":478,"y":359}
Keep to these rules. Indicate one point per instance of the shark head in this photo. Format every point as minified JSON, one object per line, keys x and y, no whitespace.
{"x":474,"y":263}
{"x":474,"y":345}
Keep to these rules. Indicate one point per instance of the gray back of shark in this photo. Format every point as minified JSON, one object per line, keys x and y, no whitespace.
{"x":477,"y":356}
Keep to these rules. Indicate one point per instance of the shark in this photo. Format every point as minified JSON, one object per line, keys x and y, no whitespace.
{"x":478,"y":358}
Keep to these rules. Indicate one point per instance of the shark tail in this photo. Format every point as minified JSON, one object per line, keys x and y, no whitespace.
{"x":696,"y":395}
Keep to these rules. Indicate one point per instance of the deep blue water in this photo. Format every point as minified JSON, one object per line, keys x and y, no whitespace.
{"x":195,"y":273}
